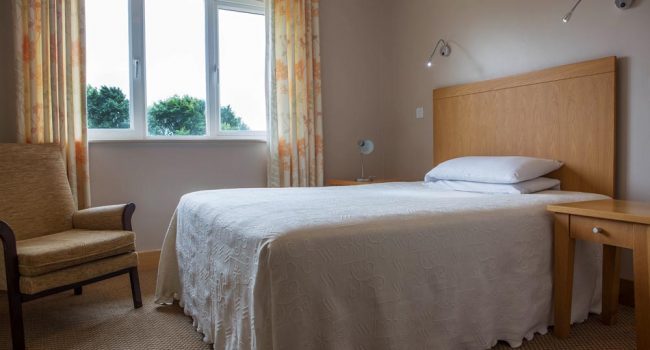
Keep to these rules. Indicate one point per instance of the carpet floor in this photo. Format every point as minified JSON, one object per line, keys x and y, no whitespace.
{"x":104,"y":318}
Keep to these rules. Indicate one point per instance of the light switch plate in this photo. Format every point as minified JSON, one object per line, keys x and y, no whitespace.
{"x":419,"y":113}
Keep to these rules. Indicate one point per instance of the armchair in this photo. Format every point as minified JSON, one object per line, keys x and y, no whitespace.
{"x":48,"y":245}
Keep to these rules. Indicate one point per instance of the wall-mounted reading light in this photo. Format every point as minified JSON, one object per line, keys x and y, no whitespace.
{"x":567,"y":17}
{"x":621,"y":4}
{"x":445,"y":50}
{"x":624,"y":4}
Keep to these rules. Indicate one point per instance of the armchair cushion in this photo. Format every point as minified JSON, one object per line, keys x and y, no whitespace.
{"x":75,"y":274}
{"x":108,"y":217}
{"x":41,"y":255}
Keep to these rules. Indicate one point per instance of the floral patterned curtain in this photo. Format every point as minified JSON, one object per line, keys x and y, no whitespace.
{"x":295,"y":124}
{"x":50,"y":65}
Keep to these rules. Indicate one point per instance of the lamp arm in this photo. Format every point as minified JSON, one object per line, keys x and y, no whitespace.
{"x":435,"y":48}
{"x":575,"y":6}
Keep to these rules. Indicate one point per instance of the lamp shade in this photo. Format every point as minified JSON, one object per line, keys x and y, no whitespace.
{"x":366,"y":146}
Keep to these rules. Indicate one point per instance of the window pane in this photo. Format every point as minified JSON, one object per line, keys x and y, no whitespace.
{"x":242,"y":71}
{"x":107,"y":64}
{"x":176,"y":79}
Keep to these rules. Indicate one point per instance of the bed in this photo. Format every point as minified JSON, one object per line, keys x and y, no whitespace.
{"x":404,"y":265}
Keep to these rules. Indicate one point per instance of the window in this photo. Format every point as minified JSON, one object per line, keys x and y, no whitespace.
{"x":242,"y":69}
{"x":191,"y":69}
{"x":108,"y":87}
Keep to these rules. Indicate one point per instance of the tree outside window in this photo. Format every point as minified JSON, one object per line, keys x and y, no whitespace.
{"x":108,"y":108}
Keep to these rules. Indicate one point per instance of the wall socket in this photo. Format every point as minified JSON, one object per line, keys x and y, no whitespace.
{"x":419,"y":113}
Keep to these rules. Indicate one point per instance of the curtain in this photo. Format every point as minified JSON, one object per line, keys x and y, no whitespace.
{"x":295,"y":123}
{"x":51,"y":84}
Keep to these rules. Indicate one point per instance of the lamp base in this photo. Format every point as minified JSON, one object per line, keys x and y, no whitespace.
{"x":363,"y":179}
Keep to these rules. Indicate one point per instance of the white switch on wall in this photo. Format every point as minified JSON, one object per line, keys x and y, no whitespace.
{"x":419,"y":113}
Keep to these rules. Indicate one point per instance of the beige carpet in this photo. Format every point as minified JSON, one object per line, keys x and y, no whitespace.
{"x":103,"y":318}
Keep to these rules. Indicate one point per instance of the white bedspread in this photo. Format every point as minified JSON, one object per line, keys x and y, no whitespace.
{"x":384,"y":266}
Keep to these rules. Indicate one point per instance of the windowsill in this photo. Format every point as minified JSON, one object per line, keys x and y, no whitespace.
{"x":184,"y":140}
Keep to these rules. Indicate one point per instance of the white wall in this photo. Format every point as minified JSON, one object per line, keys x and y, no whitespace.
{"x":356,"y":75}
{"x":154,"y":175}
{"x":491,"y":39}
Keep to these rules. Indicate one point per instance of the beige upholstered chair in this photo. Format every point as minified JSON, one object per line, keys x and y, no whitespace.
{"x":49,"y":246}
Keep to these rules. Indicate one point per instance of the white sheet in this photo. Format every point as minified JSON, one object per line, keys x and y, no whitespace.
{"x":397,"y":265}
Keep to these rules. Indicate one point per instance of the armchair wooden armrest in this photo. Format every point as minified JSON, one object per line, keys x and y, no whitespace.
{"x":109,"y":217}
{"x":8,"y":240}
{"x":12,"y":282}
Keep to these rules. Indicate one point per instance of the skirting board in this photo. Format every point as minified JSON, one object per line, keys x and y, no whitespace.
{"x":148,"y":259}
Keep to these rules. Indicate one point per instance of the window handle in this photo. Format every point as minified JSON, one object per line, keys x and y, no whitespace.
{"x":136,"y":69}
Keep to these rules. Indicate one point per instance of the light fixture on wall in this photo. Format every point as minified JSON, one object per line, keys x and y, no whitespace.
{"x":621,"y":4}
{"x":445,"y":50}
{"x":365,"y":148}
{"x":567,"y":17}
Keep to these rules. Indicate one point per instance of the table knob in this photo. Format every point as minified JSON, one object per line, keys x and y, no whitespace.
{"x":597,"y":230}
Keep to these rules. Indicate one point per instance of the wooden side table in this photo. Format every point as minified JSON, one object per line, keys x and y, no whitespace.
{"x":615,"y":224}
{"x":345,"y":182}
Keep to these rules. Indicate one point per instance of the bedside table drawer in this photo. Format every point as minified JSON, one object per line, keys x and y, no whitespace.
{"x":607,"y":231}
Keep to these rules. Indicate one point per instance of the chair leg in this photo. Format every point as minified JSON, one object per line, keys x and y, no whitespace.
{"x":78,"y":290}
{"x":8,"y":240}
{"x":16,"y":321}
{"x":135,"y":287}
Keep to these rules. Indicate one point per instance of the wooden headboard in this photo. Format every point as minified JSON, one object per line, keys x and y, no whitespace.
{"x":566,"y":113}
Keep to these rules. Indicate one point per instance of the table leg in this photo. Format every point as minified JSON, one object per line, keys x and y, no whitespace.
{"x":563,"y":252}
{"x":642,"y":286}
{"x":611,"y":283}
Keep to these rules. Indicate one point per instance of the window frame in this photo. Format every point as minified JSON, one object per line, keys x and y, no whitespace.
{"x":138,"y":72}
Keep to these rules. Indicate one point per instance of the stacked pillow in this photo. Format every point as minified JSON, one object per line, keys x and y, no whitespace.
{"x":511,"y":174}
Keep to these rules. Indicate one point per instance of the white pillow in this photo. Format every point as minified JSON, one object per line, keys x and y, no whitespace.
{"x":530,"y":186}
{"x":500,"y":170}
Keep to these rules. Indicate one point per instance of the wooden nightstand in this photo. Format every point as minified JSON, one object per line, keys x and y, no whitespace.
{"x":613,"y":223}
{"x":343,"y":182}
